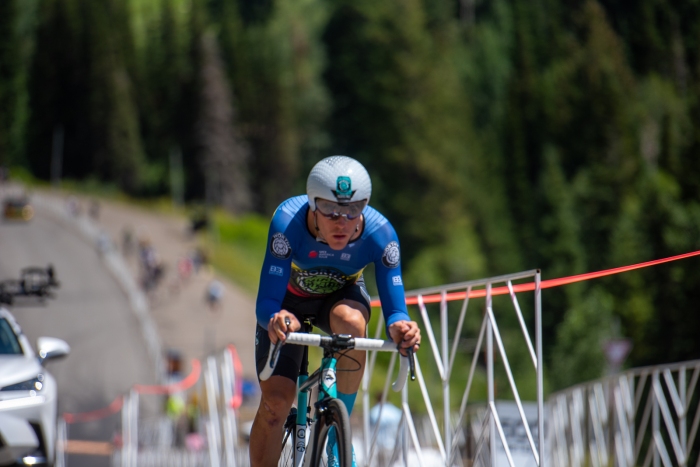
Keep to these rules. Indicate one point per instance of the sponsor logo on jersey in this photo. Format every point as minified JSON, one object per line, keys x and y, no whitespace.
{"x":323,"y":254}
{"x":280,"y":247}
{"x":276,"y":271}
{"x":313,"y":254}
{"x":391,"y":256}
{"x":396,"y":280}
{"x":319,"y":281}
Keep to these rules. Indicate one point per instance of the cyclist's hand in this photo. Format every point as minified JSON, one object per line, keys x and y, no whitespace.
{"x":277,"y":328}
{"x":405,"y":334}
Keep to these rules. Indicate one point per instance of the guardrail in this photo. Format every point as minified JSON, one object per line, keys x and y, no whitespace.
{"x":642,"y":417}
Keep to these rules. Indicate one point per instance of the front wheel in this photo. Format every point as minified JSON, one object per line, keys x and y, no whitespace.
{"x":334,"y":415}
{"x":287,"y":455}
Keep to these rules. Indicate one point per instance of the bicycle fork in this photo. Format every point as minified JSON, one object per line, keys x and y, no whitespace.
{"x":301,"y":423}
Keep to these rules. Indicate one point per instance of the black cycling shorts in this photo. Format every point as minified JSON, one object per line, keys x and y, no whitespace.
{"x":316,"y":310}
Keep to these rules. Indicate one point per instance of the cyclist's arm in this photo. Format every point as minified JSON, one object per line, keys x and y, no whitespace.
{"x":387,"y":265}
{"x":276,"y":270}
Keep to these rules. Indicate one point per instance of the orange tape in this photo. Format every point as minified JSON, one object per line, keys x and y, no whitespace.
{"x":99,"y":414}
{"x":117,"y":403}
{"x":530,"y":286}
{"x":183,"y":385}
{"x":237,"y":398}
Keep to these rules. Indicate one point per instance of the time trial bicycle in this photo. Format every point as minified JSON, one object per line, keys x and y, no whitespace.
{"x":305,"y":437}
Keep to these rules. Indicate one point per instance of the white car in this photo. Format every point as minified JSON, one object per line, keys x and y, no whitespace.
{"x":28,"y":395}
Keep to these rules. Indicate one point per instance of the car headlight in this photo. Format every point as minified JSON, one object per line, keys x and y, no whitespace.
{"x":34,"y":384}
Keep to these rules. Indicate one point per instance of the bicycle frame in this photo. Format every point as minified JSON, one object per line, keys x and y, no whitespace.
{"x":325,"y":379}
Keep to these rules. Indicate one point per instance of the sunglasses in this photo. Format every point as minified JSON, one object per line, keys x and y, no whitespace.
{"x":335,"y":211}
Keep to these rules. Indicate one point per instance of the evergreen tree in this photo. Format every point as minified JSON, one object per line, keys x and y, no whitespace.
{"x":400,"y":109}
{"x":11,"y":73}
{"x":274,"y":62}
{"x":224,"y":156}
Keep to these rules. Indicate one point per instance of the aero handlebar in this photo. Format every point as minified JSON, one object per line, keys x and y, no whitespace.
{"x":339,"y":342}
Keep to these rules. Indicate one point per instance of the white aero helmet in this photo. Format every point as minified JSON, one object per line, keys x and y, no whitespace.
{"x":338,"y":178}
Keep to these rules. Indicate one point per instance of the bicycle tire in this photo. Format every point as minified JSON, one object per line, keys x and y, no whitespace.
{"x":335,"y":415}
{"x":287,"y":452}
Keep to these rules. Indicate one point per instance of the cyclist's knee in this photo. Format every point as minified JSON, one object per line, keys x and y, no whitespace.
{"x":277,"y":396}
{"x":348,"y":320}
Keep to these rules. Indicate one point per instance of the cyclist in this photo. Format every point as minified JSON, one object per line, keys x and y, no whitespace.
{"x":318,"y":246}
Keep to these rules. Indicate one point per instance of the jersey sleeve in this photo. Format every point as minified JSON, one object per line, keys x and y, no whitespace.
{"x":276,"y":268}
{"x":387,"y":265}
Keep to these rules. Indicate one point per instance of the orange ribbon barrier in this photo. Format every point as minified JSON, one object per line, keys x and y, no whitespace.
{"x":530,"y":286}
{"x":183,"y":385}
{"x":99,"y":414}
{"x":237,"y":398}
{"x":117,"y":403}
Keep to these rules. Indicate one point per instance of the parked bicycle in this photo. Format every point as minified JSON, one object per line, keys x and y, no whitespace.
{"x":304,"y":434}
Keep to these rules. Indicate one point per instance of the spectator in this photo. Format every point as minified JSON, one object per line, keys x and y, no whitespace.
{"x":199,"y":259}
{"x":73,"y":206}
{"x":104,"y":243}
{"x":151,"y":266}
{"x":94,"y":209}
{"x":127,"y":241}
{"x":215,"y":291}
{"x":184,"y":268}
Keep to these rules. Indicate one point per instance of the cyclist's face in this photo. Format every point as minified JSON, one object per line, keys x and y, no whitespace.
{"x":337,"y":230}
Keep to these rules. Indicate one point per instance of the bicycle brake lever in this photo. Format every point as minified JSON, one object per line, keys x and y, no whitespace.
{"x":275,"y":354}
{"x":412,"y":363}
{"x":278,"y":344}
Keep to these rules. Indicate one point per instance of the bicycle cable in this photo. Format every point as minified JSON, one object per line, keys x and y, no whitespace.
{"x":343,"y":354}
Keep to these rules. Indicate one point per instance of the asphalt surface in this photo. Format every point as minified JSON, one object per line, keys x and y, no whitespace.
{"x":90,"y":312}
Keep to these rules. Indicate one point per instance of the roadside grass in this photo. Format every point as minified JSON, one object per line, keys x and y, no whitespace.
{"x":235,"y":246}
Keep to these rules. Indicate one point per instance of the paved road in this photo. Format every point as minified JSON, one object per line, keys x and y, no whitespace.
{"x":108,"y":352}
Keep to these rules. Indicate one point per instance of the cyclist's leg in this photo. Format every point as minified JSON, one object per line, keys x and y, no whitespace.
{"x":278,"y":394}
{"x":347,"y":312}
{"x":347,"y":317}
{"x":350,"y":317}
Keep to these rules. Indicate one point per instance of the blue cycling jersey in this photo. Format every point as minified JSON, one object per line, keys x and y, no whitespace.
{"x":296,"y":262}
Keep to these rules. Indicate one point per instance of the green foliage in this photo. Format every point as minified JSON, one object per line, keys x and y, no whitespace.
{"x":275,"y":67}
{"x":578,"y":355}
{"x":17,"y":20}
{"x":236,"y":247}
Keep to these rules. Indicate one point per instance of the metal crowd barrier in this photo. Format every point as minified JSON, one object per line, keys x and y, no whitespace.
{"x":643,"y":417}
{"x":151,"y":444}
{"x":446,"y":442}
